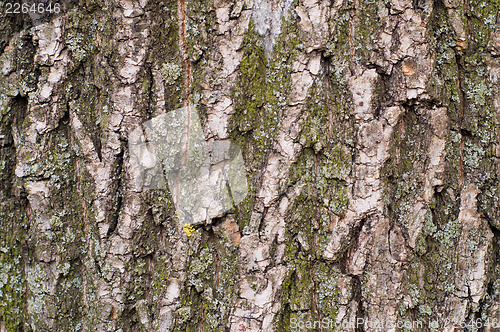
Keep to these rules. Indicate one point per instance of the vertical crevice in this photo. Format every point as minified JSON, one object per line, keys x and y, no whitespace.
{"x":491,"y":288}
{"x":114,"y":211}
{"x":202,"y":323}
{"x":465,"y":7}
{"x":326,"y":74}
{"x":315,"y":305}
{"x":418,"y":4}
{"x":215,"y":255}
{"x":64,"y":125}
{"x":162,"y":238}
{"x":86,"y":233}
{"x":10,"y":134}
{"x":459,"y":64}
{"x":187,"y":71}
{"x":458,"y":60}
{"x":151,"y":269}
{"x":357,"y":297}
{"x":26,"y":295}
{"x":150,"y":93}
{"x":352,"y":18}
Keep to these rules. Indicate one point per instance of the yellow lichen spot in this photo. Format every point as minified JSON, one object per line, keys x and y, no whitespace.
{"x":188,"y":229}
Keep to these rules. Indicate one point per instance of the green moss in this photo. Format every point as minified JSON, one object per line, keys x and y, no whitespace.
{"x":298,"y":299}
{"x":198,"y":267}
{"x":338,"y":47}
{"x":402,"y":180}
{"x":200,"y":26}
{"x":73,"y":242}
{"x":171,"y":72}
{"x":489,"y":204}
{"x":210,"y":286}
{"x":12,"y":278}
{"x":483,"y":19}
{"x":479,"y":120}
{"x":401,"y":174}
{"x":84,"y":25}
{"x":164,"y":29}
{"x":444,"y":80}
{"x":164,"y":54}
{"x":367,"y":23}
{"x":184,"y":314}
{"x":260,"y":95}
{"x":326,"y":278}
{"x":321,"y":169}
{"x":13,"y":219}
{"x":460,"y":83}
{"x":35,"y":278}
{"x":250,"y":95}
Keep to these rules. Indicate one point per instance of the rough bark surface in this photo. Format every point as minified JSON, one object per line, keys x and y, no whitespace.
{"x":370,"y":132}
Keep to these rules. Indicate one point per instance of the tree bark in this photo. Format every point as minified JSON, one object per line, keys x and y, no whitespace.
{"x":370,"y":134}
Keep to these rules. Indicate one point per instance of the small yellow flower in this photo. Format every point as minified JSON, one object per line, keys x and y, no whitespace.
{"x":188,"y":229}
